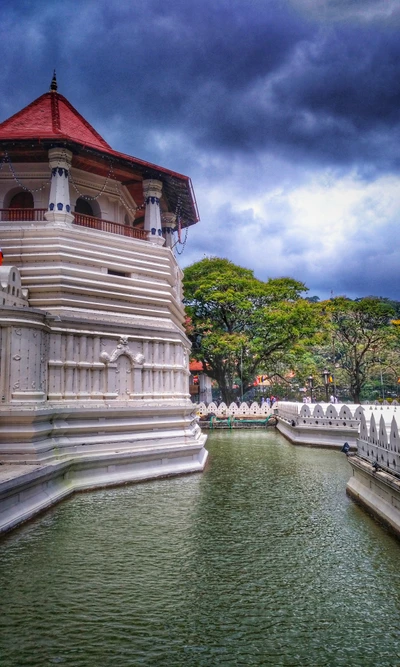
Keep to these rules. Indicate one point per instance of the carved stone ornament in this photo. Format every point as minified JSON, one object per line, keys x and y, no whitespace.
{"x":122,"y":349}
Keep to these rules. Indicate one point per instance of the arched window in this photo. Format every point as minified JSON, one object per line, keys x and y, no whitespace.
{"x":22,"y":200}
{"x":22,"y":204}
{"x":83,"y":206}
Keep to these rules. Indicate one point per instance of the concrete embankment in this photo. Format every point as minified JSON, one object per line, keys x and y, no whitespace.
{"x":377,"y":491}
{"x":26,"y":490}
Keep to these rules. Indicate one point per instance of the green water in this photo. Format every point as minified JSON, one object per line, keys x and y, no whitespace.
{"x":260,"y":560}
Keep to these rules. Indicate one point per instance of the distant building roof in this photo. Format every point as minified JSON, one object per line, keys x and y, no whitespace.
{"x":196,"y":366}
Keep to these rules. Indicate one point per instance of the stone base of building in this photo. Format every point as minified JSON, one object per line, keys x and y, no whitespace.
{"x":55,"y":432}
{"x":377,"y":491}
{"x":26,"y":490}
{"x":332,"y":437}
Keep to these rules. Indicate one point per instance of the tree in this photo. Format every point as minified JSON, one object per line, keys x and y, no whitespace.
{"x":363,"y":334}
{"x":239,"y":323}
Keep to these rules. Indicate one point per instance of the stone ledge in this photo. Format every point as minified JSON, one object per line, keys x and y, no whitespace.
{"x":376,"y":491}
{"x":37,"y":488}
{"x":331,"y":437}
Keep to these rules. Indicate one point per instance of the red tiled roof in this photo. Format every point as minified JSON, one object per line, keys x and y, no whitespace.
{"x":196,"y":366}
{"x":51,"y":116}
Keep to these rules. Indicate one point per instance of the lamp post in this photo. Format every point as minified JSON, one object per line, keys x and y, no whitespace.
{"x":310,"y":384}
{"x":241,"y":372}
{"x":326,"y":374}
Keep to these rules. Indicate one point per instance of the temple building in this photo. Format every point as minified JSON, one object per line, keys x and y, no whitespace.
{"x":94,"y":365}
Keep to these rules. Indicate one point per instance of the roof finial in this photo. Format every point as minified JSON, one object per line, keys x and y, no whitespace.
{"x":53,"y":85}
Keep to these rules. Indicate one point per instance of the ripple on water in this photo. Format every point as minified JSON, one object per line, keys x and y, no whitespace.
{"x":261,"y":560}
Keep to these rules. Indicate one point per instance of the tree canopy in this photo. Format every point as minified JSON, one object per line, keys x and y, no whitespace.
{"x":239,"y":324}
{"x":363,"y":335}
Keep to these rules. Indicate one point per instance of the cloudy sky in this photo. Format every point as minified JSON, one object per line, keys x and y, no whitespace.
{"x":285,"y":114}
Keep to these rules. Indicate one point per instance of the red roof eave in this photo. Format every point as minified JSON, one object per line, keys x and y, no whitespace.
{"x":51,"y":117}
{"x":196,"y":366}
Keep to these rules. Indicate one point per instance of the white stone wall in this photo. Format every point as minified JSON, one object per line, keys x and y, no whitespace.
{"x":35,"y":177}
{"x":11,"y":291}
{"x":94,"y":363}
{"x":379,"y":440}
{"x":319,"y":415}
{"x":113,"y":204}
{"x":67,"y":272}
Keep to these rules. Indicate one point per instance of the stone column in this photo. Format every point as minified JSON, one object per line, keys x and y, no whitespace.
{"x":168,"y":226}
{"x":59,"y":211}
{"x":152,"y":218}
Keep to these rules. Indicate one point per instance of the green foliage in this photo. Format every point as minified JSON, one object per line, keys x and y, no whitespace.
{"x":363,"y":334}
{"x":239,"y":324}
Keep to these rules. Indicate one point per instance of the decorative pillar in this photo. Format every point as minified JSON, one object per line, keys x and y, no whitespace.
{"x":59,"y":211}
{"x":152,"y":219}
{"x":168,"y":226}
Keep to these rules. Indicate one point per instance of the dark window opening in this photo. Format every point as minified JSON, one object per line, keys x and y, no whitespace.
{"x":22,"y":200}
{"x":111,"y":272}
{"x":83,"y":206}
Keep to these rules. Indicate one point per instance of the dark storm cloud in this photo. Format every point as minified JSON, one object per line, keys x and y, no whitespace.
{"x":233,"y":76}
{"x":255,"y":100}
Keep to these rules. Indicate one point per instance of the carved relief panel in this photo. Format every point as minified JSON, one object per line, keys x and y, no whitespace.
{"x":123,"y":371}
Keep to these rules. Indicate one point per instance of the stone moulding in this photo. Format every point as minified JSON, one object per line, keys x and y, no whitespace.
{"x":122,"y":349}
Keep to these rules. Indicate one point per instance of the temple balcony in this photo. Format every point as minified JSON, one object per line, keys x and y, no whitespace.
{"x":22,"y":214}
{"x":91,"y":222}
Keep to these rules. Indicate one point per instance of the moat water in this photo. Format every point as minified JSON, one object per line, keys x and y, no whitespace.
{"x":260,"y":560}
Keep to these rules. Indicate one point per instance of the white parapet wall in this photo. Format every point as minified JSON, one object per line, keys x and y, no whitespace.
{"x":375,"y":480}
{"x":319,"y":425}
{"x":233,"y":410}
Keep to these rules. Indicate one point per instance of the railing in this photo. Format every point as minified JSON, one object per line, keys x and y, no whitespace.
{"x":107,"y":226}
{"x":22,"y":214}
{"x":37,"y":215}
